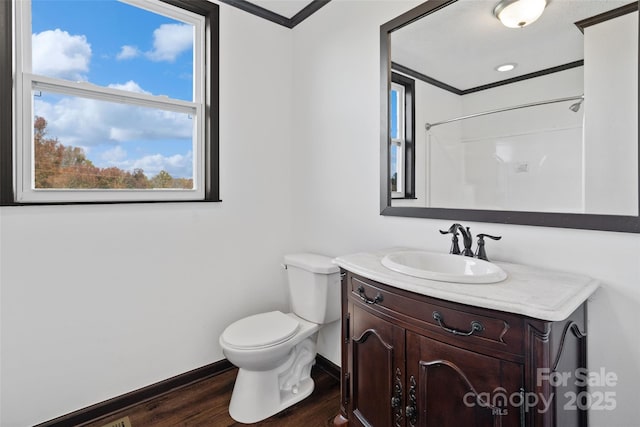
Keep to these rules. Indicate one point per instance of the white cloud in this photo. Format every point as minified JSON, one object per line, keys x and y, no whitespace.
{"x":127,"y":52}
{"x":123,"y":135}
{"x":178,"y":165}
{"x":56,"y":53}
{"x":114,"y":155}
{"x":86,"y":122}
{"x":89,"y":124}
{"x":169,"y":41}
{"x":130,"y":86}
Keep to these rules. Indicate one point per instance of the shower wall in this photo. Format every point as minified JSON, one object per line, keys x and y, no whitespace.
{"x":527,"y":159}
{"x":500,"y":161}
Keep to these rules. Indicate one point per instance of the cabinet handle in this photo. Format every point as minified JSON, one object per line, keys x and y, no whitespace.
{"x":522,"y":409}
{"x":396,"y":399}
{"x":346,"y":386}
{"x":347,"y":328}
{"x":475,"y":326}
{"x":365,"y":298}
{"x":395,"y":402}
{"x":411,"y":411}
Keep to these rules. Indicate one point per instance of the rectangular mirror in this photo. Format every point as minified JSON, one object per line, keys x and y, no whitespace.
{"x":534,"y":125}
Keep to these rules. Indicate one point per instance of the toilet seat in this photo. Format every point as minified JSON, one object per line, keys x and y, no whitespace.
{"x":260,"y":330}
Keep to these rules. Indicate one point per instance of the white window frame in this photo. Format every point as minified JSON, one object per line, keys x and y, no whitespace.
{"x":400,"y":141}
{"x":26,"y":83}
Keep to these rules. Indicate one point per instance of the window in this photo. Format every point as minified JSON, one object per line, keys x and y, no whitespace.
{"x":102,"y":114}
{"x":402,"y":131}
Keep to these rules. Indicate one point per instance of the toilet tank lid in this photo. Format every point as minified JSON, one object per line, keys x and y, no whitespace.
{"x":312,"y":262}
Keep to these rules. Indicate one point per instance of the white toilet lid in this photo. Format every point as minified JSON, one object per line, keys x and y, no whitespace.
{"x":261,"y":330}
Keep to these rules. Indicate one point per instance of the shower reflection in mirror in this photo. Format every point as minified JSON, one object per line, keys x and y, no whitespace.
{"x":499,"y":159}
{"x":558,"y":134}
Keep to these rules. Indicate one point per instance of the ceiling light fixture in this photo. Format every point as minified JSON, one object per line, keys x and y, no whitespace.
{"x":519,"y":13}
{"x":505,"y":67}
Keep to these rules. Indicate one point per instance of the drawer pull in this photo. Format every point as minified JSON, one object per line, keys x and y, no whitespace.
{"x":475,"y":326}
{"x":365,"y":298}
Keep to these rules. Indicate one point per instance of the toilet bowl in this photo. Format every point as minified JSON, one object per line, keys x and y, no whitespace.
{"x":275,"y":351}
{"x":272,"y":375}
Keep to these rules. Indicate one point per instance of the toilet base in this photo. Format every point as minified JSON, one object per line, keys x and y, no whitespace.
{"x":257,"y":395}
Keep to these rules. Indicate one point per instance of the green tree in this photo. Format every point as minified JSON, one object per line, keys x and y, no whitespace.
{"x":138,"y":180}
{"x":47,"y":153}
{"x":60,"y":166}
{"x":162,"y":180}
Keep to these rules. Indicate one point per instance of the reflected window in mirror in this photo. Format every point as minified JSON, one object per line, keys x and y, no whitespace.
{"x":402,"y":131}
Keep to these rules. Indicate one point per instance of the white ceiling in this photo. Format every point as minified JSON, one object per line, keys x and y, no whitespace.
{"x":462,"y":44}
{"x":286,"y":8}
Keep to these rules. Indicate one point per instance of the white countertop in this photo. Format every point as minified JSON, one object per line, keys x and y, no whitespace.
{"x":530,"y":291}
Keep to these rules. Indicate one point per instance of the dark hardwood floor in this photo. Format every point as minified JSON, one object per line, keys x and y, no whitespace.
{"x":206,"y":403}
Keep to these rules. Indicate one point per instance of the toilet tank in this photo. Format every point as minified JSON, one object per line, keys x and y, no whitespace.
{"x":314,"y":287}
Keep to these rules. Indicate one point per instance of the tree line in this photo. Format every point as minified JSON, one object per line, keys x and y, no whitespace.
{"x":60,"y":166}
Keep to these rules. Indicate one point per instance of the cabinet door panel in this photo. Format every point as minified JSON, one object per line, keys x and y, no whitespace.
{"x":377,"y":363}
{"x":457,"y":387}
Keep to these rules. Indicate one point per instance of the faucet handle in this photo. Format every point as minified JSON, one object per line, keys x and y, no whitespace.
{"x":453,"y":230}
{"x":482,"y":236}
{"x":480,"y":251}
{"x":455,"y":248}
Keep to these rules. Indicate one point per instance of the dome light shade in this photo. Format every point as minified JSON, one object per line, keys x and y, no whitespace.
{"x":519,"y":13}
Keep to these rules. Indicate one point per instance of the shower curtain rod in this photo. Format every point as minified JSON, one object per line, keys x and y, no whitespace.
{"x":428,"y":126}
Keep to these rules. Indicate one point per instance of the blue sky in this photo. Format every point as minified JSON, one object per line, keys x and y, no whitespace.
{"x":114,"y":44}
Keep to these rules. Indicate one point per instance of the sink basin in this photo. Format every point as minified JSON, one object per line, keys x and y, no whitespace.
{"x":444,"y":267}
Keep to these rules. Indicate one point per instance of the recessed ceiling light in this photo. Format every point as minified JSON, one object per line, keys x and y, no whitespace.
{"x":505,"y":67}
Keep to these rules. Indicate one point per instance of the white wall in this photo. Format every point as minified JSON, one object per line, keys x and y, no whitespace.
{"x":611,"y":145}
{"x":97,"y":301}
{"x":336,"y":210}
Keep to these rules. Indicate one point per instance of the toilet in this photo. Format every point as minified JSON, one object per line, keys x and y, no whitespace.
{"x":275,"y":351}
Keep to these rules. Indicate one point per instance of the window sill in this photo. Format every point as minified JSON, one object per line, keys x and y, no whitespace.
{"x":120,"y":202}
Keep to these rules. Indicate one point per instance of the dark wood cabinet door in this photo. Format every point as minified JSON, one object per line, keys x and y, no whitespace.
{"x":451,"y":387}
{"x":377,"y":365}
{"x":403,"y":366}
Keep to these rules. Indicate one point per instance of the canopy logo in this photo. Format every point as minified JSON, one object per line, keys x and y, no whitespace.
{"x":590,"y":396}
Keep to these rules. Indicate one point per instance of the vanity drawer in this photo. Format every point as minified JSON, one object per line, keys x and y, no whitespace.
{"x":455,"y":323}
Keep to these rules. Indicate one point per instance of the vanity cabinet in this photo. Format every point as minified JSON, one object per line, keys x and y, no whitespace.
{"x":411,"y":360}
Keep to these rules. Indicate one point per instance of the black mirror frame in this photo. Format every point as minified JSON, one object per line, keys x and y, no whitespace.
{"x":620,"y":223}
